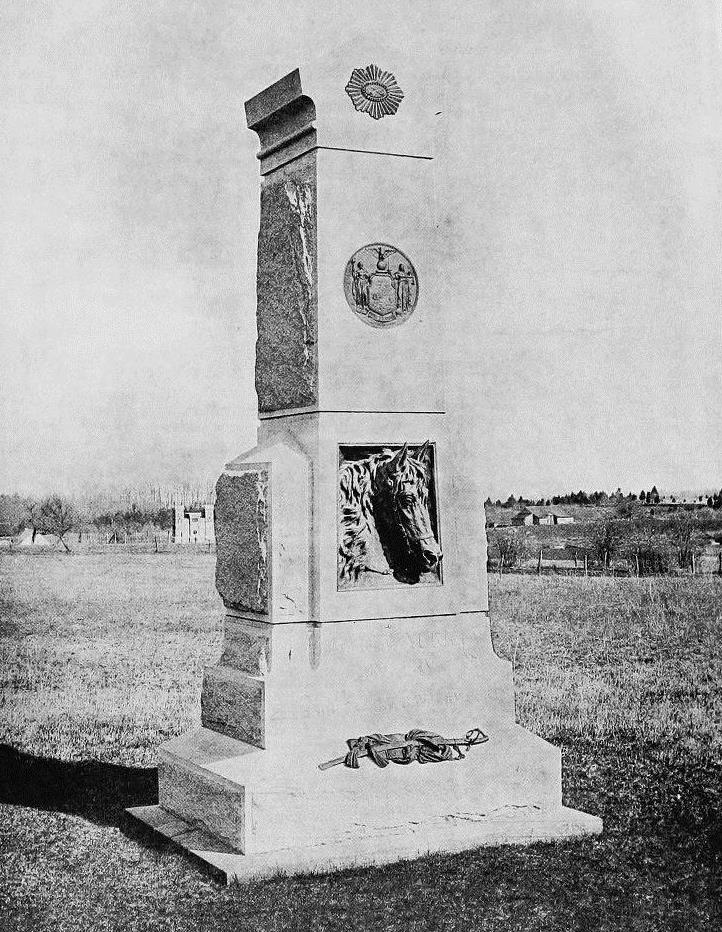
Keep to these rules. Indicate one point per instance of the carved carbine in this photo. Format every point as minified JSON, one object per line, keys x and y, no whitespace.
{"x":416,"y":745}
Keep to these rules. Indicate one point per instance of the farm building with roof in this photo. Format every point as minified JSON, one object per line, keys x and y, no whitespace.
{"x":537,"y":514}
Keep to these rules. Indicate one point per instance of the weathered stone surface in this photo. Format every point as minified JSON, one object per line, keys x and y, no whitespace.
{"x":512,"y":827}
{"x":241,"y":526}
{"x":233,"y":704}
{"x":287,"y":313}
{"x":246,"y":646}
{"x":203,"y":799}
{"x":353,"y":678}
{"x":283,"y":116}
{"x":294,"y":804}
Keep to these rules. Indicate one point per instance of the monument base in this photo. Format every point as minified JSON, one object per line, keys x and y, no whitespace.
{"x":244,"y":792}
{"x":509,"y":826}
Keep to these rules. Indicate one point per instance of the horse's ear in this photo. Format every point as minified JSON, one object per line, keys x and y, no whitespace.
{"x":398,"y":461}
{"x":423,"y":450}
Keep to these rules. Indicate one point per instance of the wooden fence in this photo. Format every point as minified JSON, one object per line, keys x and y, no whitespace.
{"x":703,"y":565}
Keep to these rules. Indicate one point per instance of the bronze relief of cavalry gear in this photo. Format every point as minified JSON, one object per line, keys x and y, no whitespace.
{"x":381,"y":285}
{"x":425,"y":747}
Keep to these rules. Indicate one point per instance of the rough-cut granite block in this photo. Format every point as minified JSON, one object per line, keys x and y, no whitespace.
{"x":233,"y":704}
{"x":246,"y":646}
{"x":202,"y":798}
{"x":241,"y":528}
{"x":287,"y":318}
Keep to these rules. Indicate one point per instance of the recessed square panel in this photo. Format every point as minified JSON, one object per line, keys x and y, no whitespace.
{"x":388,"y":520}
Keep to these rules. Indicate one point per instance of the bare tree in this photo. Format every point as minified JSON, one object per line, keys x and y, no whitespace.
{"x":510,"y":549}
{"x":59,"y":517}
{"x":647,"y":548}
{"x":34,"y":516}
{"x":605,"y":540}
{"x":13,"y":514}
{"x":685,"y":533}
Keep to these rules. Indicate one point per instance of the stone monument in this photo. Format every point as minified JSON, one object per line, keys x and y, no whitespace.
{"x":351,"y":552}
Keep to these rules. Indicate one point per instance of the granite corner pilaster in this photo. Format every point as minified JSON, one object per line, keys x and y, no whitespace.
{"x":287,"y":308}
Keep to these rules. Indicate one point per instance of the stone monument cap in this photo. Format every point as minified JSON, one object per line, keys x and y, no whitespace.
{"x":365,"y":97}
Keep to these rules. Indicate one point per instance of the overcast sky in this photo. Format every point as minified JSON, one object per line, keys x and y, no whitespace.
{"x":583,"y":192}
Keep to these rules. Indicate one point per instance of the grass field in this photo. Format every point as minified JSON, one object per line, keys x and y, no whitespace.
{"x":101,"y":662}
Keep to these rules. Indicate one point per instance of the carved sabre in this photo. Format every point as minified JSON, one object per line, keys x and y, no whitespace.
{"x":417,"y":745}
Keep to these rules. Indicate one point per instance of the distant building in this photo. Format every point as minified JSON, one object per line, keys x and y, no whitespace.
{"x":526,"y":516}
{"x":193,"y":526}
{"x":537,"y":514}
{"x":672,"y":504}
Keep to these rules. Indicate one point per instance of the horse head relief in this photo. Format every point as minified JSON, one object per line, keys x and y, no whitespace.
{"x":401,"y":507}
{"x":388,"y":517}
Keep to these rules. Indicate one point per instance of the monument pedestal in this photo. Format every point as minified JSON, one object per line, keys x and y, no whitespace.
{"x":251,"y":811}
{"x":351,"y":551}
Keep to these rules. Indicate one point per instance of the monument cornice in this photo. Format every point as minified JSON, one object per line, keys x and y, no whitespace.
{"x":285,"y":118}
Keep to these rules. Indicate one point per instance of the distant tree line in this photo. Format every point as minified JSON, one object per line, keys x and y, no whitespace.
{"x":651,"y":497}
{"x":134,"y":519}
{"x":645,"y":545}
{"x":60,"y":516}
{"x":51,"y":515}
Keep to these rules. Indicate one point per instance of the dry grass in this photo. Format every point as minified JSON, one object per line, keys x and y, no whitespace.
{"x":609,"y":659}
{"x":102,"y":655}
{"x":101,"y":660}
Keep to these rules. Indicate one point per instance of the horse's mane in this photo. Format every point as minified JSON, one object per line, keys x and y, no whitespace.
{"x":356,"y":503}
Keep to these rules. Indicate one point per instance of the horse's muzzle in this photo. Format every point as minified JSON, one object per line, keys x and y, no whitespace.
{"x":430,"y":554}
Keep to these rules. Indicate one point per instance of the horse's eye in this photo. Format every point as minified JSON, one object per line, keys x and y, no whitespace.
{"x":390,"y":483}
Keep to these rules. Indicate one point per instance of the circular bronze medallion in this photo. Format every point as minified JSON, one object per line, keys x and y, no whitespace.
{"x":381,"y":285}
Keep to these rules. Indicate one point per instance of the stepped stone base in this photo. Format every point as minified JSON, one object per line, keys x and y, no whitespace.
{"x":246,"y":795}
{"x":509,"y":825}
{"x":267,"y":800}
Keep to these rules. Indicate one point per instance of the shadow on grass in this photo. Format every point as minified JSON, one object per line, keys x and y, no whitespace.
{"x":95,"y":790}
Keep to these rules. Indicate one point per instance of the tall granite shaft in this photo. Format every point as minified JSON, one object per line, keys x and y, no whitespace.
{"x":351,"y":553}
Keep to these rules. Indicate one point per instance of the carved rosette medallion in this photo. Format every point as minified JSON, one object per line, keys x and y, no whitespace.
{"x":381,"y":285}
{"x":374,"y":91}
